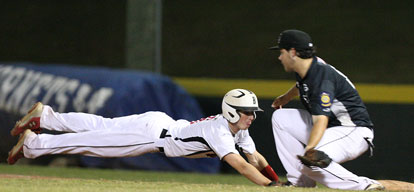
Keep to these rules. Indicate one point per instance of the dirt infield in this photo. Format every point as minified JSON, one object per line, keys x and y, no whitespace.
{"x":394,"y":185}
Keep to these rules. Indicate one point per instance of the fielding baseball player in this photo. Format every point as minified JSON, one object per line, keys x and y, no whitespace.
{"x":149,"y":132}
{"x":334,"y":128}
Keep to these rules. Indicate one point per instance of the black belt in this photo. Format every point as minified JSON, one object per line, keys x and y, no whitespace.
{"x":163,"y":135}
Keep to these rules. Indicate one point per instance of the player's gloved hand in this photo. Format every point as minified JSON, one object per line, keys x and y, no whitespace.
{"x":316,"y":158}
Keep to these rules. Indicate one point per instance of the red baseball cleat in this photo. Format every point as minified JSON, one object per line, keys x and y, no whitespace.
{"x":30,"y":121}
{"x":17,"y":151}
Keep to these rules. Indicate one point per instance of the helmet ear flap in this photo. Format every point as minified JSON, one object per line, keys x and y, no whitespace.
{"x":230,"y":113}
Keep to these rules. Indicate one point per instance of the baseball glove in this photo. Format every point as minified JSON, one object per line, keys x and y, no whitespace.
{"x":316,"y":158}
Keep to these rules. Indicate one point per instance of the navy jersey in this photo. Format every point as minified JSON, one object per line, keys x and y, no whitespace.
{"x":326,"y":91}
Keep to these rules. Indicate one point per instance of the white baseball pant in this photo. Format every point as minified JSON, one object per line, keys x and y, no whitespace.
{"x":93,"y":135}
{"x":291,"y":129}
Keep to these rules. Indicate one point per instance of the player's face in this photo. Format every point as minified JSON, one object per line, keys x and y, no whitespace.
{"x":246,"y":119}
{"x":286,"y":60}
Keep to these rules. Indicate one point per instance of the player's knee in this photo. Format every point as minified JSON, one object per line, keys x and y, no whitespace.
{"x":277,"y":116}
{"x":280,"y":117}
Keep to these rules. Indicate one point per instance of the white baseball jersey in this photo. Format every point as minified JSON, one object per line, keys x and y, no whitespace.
{"x":134,"y":135}
{"x":205,"y":138}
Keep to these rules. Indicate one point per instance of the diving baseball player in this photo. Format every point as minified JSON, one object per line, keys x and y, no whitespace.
{"x":134,"y":135}
{"x":334,"y":128}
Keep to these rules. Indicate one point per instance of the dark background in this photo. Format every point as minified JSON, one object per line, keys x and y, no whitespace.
{"x":370,"y":41}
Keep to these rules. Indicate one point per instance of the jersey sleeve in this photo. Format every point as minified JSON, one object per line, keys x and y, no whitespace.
{"x":246,"y":142}
{"x":220,"y":140}
{"x":322,"y":97}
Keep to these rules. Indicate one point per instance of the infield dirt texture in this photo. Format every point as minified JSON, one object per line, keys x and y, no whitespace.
{"x":36,"y":178}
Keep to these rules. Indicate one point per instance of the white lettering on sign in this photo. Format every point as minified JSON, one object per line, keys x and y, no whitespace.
{"x":20,"y":88}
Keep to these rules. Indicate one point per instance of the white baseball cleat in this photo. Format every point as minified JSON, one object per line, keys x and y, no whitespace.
{"x":30,"y":121}
{"x":17,"y":151}
{"x":375,"y":187}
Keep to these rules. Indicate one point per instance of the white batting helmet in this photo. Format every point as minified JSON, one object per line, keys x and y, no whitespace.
{"x":239,"y":100}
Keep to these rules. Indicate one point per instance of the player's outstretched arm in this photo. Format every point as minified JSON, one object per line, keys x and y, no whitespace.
{"x":261,"y":164}
{"x":246,"y":169}
{"x":285,"y":98}
{"x":257,"y":160}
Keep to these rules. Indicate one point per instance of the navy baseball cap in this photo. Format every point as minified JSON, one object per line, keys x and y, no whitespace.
{"x":293,"y":38}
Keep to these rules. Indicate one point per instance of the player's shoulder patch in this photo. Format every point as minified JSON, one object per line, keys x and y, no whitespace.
{"x":326,"y":100}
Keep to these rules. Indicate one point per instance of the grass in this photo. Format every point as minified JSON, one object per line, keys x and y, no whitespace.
{"x":39,"y":178}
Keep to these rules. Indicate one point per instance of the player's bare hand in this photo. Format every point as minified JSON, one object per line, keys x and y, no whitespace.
{"x":279,"y":102}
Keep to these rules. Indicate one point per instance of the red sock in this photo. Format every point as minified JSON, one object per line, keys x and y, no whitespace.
{"x":269,"y":173}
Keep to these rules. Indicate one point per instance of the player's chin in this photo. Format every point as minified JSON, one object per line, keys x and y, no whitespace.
{"x":288,"y":69}
{"x":246,"y":127}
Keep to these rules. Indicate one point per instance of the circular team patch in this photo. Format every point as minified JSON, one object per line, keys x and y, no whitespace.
{"x":325,"y":100}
